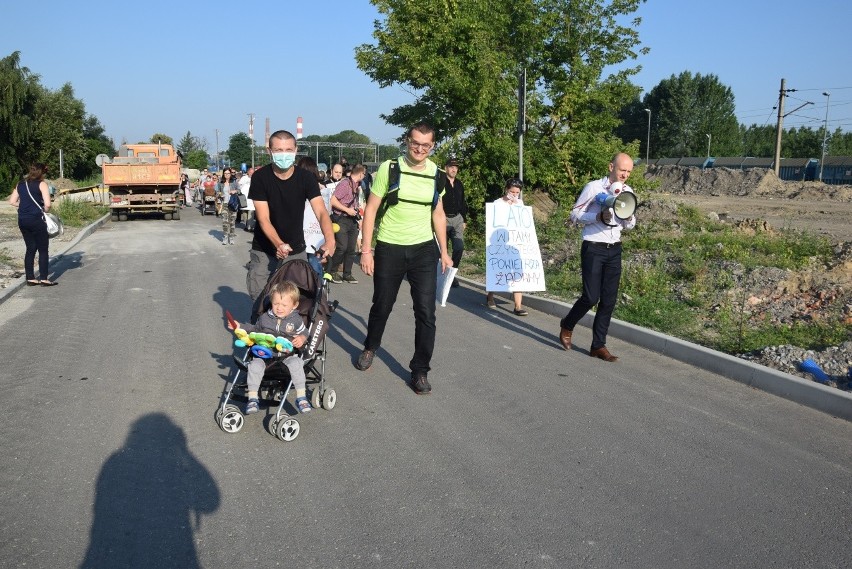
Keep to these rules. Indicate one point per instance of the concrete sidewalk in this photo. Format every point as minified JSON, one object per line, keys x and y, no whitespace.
{"x":811,"y":394}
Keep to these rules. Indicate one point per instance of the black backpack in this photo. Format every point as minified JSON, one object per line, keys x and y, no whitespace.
{"x":391,"y":197}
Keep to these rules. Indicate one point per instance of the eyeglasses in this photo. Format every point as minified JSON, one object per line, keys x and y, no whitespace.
{"x":420,"y":145}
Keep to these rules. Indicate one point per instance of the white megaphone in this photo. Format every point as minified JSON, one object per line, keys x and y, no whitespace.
{"x":622,"y":202}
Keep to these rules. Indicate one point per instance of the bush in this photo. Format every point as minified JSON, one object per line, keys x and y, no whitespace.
{"x":78,"y":213}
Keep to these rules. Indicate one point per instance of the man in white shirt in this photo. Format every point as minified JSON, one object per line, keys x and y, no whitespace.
{"x":600,"y":256}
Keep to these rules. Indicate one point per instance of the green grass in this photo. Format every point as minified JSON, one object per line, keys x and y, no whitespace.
{"x":677,"y":279}
{"x":78,"y":213}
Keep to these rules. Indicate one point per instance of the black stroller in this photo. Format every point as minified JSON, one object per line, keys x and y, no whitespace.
{"x":210,"y":202}
{"x":276,"y":384}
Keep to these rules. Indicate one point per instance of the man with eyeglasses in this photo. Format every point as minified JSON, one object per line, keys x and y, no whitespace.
{"x":405,"y":248}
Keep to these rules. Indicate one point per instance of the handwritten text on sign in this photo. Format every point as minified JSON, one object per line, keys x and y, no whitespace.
{"x":512,"y":256}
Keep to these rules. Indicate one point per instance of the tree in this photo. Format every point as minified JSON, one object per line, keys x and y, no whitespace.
{"x":685,"y":109}
{"x":760,"y":141}
{"x":239,"y":150}
{"x":190,"y":143}
{"x":18,"y":95}
{"x":96,"y":142}
{"x":803,"y":142}
{"x":197,"y":159}
{"x":462,"y":59}
{"x":159,"y":138}
{"x":59,"y":126}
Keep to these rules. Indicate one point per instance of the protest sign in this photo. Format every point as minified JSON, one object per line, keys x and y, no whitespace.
{"x":314,"y":238}
{"x":512,"y":256}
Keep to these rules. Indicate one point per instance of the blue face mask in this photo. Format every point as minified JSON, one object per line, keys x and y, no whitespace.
{"x":284,"y":159}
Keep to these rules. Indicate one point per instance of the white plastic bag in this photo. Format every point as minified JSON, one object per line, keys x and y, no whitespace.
{"x":54,"y":225}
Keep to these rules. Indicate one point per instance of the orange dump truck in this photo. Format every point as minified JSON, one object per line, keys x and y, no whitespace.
{"x":143,"y":178}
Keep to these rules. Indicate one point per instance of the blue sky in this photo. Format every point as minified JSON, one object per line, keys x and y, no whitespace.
{"x":185,"y":65}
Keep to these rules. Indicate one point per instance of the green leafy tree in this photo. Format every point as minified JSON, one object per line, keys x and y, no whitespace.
{"x":160,"y":138}
{"x":839,"y":143}
{"x":239,"y":150}
{"x":19,"y":90}
{"x":96,"y":142}
{"x":198,"y":159}
{"x":190,"y":143}
{"x":59,"y":126}
{"x":462,"y":60}
{"x":803,"y":142}
{"x":760,"y":141}
{"x":685,"y":109}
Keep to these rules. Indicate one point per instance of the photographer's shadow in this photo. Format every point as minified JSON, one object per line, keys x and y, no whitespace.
{"x":150,"y":497}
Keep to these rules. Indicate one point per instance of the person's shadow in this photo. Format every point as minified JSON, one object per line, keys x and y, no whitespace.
{"x":150,"y":497}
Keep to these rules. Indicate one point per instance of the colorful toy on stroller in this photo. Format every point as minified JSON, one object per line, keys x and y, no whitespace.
{"x":277,"y":384}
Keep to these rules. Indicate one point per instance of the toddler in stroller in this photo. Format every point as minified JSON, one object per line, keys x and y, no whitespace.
{"x":282,"y":320}
{"x":294,"y":336}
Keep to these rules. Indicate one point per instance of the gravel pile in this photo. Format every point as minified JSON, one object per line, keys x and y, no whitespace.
{"x":835,"y":361}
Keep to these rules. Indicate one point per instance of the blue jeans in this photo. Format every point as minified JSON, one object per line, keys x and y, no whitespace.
{"x":601,"y":269}
{"x":419,"y":263}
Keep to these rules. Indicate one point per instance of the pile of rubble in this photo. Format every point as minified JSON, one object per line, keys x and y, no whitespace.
{"x":754,"y":182}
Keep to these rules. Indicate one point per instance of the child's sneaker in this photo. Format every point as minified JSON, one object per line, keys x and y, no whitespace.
{"x":253,"y":406}
{"x":303,"y":405}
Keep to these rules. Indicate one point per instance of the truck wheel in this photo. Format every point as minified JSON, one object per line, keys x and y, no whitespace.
{"x":113,"y":217}
{"x":167,"y":216}
{"x":122,"y":217}
{"x":176,"y":215}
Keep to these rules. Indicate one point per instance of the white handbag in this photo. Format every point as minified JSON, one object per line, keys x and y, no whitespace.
{"x":54,"y":224}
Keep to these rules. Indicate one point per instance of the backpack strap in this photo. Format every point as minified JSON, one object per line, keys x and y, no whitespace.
{"x":391,"y":197}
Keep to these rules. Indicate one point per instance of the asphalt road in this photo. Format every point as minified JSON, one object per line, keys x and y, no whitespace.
{"x":524,"y":455}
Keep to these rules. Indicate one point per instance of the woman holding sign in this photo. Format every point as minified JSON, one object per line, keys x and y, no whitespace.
{"x":512,"y":196}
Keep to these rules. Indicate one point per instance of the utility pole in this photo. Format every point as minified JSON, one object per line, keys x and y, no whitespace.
{"x":251,"y":136}
{"x":824,"y":134}
{"x":522,"y":119}
{"x":648,"y":143}
{"x":780,"y":125}
{"x":217,"y":150}
{"x":776,"y":165}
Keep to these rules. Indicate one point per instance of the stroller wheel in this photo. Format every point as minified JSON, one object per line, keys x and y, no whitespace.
{"x":231,"y":421}
{"x":287,"y":429}
{"x":316,"y":399}
{"x":329,"y":399}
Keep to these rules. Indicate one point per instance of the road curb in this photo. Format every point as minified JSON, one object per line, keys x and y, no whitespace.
{"x":16,"y":284}
{"x":814,"y":395}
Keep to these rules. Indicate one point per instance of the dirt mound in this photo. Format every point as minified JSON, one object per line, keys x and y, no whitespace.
{"x":753,"y":182}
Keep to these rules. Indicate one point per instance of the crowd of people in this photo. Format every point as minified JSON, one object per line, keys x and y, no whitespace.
{"x":412,"y":210}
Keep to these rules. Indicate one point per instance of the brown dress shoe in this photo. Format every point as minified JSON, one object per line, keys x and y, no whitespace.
{"x":565,"y":338}
{"x":603,"y":354}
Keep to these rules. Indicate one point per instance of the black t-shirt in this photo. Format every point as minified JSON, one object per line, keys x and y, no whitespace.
{"x":286,"y":201}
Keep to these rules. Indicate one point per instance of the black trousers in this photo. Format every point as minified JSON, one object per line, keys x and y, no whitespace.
{"x":345,"y":241}
{"x":419,"y":263}
{"x":601,"y":270}
{"x":34,"y":231}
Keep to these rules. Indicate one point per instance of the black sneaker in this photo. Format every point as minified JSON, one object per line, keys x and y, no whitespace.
{"x":419,"y":383}
{"x":365,"y":360}
{"x":336,"y":278}
{"x":455,"y":283}
{"x":350,"y":279}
